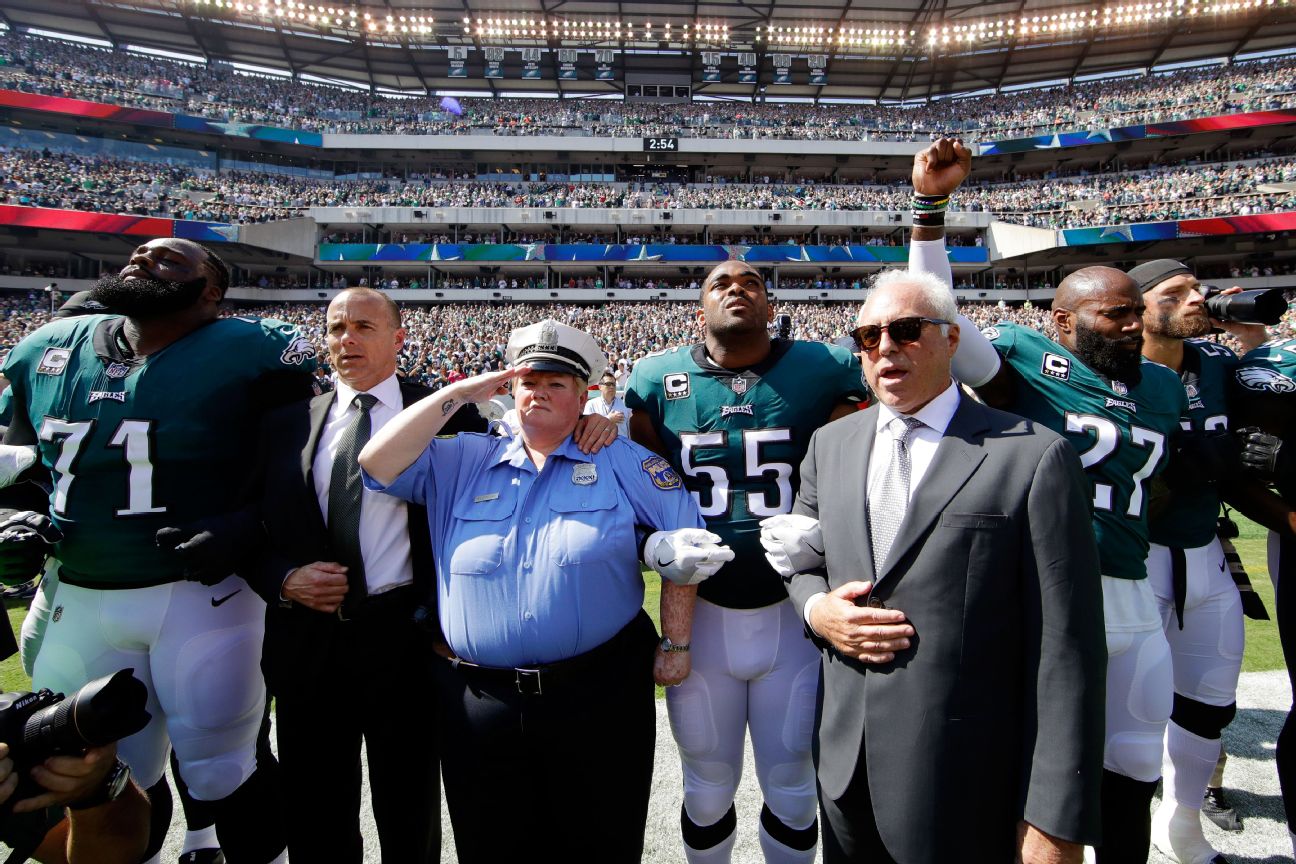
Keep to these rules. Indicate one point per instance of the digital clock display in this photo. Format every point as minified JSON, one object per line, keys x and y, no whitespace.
{"x":661,"y":145}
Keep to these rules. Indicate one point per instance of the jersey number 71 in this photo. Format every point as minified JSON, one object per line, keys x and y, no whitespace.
{"x":134,"y":437}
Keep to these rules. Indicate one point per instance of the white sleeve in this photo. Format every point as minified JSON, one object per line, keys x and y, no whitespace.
{"x":928,"y":256}
{"x":976,"y":360}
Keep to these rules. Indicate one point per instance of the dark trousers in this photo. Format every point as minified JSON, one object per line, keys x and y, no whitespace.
{"x":850,"y":831}
{"x":378,"y":687}
{"x":566,"y":771}
{"x":1285,"y":612}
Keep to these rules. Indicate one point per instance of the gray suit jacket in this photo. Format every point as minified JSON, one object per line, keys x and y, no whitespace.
{"x":995,"y":711}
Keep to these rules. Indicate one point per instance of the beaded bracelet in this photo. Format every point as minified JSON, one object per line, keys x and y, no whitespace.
{"x":929,"y":210}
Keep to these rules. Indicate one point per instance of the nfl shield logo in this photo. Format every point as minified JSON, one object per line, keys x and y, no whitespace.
{"x":1120,"y":388}
{"x":739,"y":384}
{"x":117,"y":370}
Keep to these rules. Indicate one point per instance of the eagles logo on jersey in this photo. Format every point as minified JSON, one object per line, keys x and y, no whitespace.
{"x":736,"y":439}
{"x":1264,"y":379}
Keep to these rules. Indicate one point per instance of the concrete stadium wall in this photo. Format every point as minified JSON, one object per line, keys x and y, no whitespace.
{"x":290,"y":236}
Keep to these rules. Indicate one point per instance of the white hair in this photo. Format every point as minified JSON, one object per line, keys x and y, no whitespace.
{"x":934,"y":293}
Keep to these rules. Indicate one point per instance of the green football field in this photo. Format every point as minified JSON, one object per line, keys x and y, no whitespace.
{"x":1262,"y":649}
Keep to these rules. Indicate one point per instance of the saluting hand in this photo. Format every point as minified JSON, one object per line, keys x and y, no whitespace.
{"x":942,"y":167}
{"x":480,"y":388}
{"x":321,"y":586}
{"x":868,"y":634}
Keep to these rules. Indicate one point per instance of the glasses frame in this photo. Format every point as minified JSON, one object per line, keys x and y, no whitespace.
{"x":889,"y":327}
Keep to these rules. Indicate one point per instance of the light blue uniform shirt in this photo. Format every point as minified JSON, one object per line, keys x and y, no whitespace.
{"x":538,"y":566}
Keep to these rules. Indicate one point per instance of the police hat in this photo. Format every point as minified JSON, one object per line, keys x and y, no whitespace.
{"x":549,"y":346}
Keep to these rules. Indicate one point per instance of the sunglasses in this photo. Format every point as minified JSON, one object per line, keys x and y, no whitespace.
{"x":902,"y":331}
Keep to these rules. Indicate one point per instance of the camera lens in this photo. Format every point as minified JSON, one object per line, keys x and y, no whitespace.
{"x":105,"y":710}
{"x":1260,"y":306}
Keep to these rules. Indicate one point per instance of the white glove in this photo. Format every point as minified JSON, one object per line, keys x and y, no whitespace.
{"x":686,"y":556}
{"x":14,"y":460}
{"x":793,"y":543}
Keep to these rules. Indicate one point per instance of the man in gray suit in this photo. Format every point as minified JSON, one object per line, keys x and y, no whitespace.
{"x":958,"y":607}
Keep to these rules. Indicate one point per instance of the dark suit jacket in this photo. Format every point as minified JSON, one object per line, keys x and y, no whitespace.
{"x":296,"y":534}
{"x":995,"y":712}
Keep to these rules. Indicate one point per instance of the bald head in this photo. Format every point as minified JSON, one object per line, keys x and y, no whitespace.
{"x":1089,"y":282}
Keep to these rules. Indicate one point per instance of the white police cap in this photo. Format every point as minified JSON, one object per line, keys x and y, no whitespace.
{"x":550,"y":346}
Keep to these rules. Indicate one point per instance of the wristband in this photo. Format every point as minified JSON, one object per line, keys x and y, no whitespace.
{"x":929,"y":210}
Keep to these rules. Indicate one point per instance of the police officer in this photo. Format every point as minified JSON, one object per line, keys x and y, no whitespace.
{"x":548,"y":719}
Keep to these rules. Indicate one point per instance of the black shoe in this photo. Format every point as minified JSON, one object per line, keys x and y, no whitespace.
{"x":1216,"y":808}
{"x":203,"y":856}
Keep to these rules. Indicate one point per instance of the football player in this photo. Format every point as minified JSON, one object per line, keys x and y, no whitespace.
{"x":734,"y":414}
{"x":1201,"y":607}
{"x":1093,"y":387}
{"x":1264,"y":411}
{"x":143,"y":421}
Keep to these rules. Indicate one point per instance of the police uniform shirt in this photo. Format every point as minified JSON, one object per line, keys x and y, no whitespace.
{"x":538,"y":566}
{"x":384,"y":525}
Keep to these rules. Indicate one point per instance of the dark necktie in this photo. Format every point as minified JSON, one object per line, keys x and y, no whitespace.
{"x":345,"y":497}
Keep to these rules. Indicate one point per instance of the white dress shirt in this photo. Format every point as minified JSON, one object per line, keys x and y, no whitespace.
{"x":599,"y":405}
{"x":384,"y":522}
{"x":923,"y":441}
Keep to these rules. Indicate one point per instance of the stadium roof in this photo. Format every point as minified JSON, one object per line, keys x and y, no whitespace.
{"x":875,"y":49}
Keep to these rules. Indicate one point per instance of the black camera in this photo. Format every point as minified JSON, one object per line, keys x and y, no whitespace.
{"x":1259,"y":306}
{"x":39,"y":725}
{"x":783,"y":326}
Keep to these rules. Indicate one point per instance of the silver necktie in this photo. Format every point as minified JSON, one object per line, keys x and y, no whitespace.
{"x":886,"y":509}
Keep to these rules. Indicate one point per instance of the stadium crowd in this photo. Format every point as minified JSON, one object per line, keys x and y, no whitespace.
{"x":101,"y":184}
{"x":218,"y":92}
{"x":467,"y":338}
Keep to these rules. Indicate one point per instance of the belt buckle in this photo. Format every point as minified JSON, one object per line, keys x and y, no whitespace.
{"x":528,"y":682}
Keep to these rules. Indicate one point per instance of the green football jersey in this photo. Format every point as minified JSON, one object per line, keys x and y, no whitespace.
{"x":1121,"y":433}
{"x":138,"y":444}
{"x":1270,"y":371}
{"x":738,"y":438}
{"x":1187,"y":520}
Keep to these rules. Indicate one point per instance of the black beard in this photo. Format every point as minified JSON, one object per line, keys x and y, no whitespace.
{"x":145,"y":299}
{"x":1108,"y":357}
{"x":1168,"y":325}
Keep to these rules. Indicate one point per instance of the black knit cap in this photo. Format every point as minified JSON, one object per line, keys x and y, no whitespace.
{"x":1153,"y":273}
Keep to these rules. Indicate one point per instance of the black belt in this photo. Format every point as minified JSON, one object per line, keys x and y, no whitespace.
{"x":533,"y":680}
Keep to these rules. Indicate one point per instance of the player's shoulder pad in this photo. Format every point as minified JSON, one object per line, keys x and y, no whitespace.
{"x":805,"y":352}
{"x":280,"y":337}
{"x":1212,"y":351}
{"x":59,"y":333}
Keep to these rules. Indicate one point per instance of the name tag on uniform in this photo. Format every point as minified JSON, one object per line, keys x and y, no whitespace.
{"x":584,"y":473}
{"x":489,"y":496}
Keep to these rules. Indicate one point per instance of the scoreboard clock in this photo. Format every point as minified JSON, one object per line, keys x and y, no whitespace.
{"x":661,"y":145}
